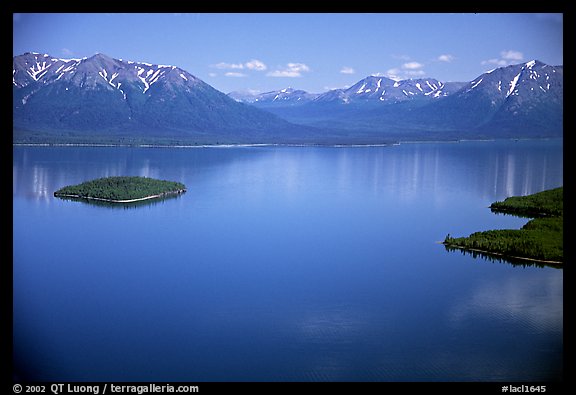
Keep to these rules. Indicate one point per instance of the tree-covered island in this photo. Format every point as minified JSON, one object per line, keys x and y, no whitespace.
{"x":541,"y":239}
{"x":122,"y":189}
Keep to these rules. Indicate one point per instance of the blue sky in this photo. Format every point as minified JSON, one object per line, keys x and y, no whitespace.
{"x":316,"y":52}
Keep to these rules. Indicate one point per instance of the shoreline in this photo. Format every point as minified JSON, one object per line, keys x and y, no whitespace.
{"x":556,"y":264}
{"x":121,"y":201}
{"x":255,"y":145}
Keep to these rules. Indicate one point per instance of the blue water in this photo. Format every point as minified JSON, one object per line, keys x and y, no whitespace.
{"x":282,"y":264}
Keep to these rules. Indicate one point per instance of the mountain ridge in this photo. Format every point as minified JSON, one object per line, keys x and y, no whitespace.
{"x":126,"y":99}
{"x":525,"y":96}
{"x":102,"y":98}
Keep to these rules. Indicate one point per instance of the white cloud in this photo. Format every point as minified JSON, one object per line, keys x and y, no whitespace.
{"x":393,"y":74}
{"x":291,"y":70}
{"x":229,"y":66}
{"x":299,"y":67}
{"x":496,"y":62}
{"x":412,"y":66}
{"x":506,"y":58}
{"x":255,"y":64}
{"x":405,"y":71}
{"x":415,"y":73}
{"x":347,"y":70}
{"x":399,"y":74}
{"x":512,"y":55}
{"x":284,"y":73}
{"x":446,"y":58}
{"x":234,"y":74}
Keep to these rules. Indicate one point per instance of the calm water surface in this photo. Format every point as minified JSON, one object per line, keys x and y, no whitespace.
{"x":282,"y":264}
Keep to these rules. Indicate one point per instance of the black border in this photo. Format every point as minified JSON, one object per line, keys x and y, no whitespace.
{"x":298,"y":7}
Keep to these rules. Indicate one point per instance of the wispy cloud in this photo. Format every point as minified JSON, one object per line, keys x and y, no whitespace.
{"x":393,"y":74}
{"x":291,"y":70}
{"x":412,"y":66}
{"x":347,"y":70}
{"x":506,"y":58}
{"x":405,"y":71}
{"x":445,"y":58}
{"x":228,"y":66}
{"x":235,"y":74}
{"x":512,"y":55}
{"x":495,"y":62}
{"x":253,"y":64}
{"x":415,"y":73}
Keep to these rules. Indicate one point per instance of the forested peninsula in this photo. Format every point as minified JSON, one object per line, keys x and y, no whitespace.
{"x":122,"y":189}
{"x":541,"y":239}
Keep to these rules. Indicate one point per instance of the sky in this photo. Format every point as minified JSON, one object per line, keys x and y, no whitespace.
{"x":316,"y":52}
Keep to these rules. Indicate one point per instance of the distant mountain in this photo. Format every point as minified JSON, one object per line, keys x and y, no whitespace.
{"x":101,"y":98}
{"x":523,"y":100}
{"x":374,"y":89}
{"x":526,"y":97}
{"x":279,"y":98}
{"x":370,"y":93}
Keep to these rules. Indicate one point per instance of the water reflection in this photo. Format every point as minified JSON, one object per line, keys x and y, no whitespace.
{"x":404,"y":170}
{"x":491,"y":169}
{"x":37,"y":174}
{"x":535,"y":303}
{"x":498,"y":171}
{"x":125,"y":206}
{"x":514,"y":261}
{"x":290,"y":263}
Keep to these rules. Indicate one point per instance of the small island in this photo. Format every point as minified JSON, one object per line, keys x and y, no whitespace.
{"x":540,"y":240}
{"x":122,"y":189}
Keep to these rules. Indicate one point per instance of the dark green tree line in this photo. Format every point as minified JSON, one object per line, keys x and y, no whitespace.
{"x":541,"y":238}
{"x":121,"y":188}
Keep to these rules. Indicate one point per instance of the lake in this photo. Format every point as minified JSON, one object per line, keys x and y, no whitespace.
{"x":282,"y":264}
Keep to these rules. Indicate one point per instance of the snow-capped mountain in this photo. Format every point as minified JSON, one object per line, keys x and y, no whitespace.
{"x":516,"y":82}
{"x":534,"y":95}
{"x":381,"y":89}
{"x":526,"y":96}
{"x":101,"y":98}
{"x":517,"y":100}
{"x":115,"y":97}
{"x":283,"y":97}
{"x":372,"y":89}
{"x":33,"y":67}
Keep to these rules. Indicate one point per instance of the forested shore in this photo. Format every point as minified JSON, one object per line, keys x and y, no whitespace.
{"x":541,"y":239}
{"x":121,"y":189}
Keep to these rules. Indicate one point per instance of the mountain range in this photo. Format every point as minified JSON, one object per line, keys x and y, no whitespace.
{"x":372,"y":89}
{"x":99,"y":99}
{"x":522,"y":100}
{"x":104,"y":99}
